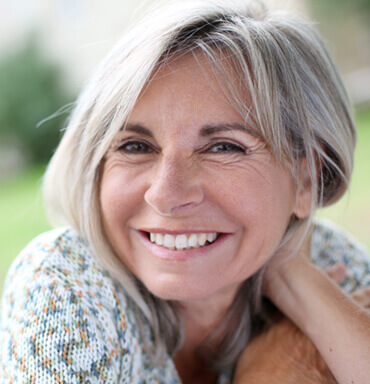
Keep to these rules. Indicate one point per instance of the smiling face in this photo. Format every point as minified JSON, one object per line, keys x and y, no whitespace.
{"x":186,"y":165}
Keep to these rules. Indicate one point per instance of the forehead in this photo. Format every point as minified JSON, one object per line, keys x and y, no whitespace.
{"x":186,"y":91}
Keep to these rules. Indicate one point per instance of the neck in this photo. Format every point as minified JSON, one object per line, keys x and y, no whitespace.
{"x":190,"y":366}
{"x":201,"y":318}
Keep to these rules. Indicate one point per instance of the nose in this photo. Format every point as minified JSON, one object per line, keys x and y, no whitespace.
{"x":174,"y":187}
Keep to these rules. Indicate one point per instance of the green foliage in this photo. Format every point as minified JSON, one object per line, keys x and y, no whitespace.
{"x":340,"y":6}
{"x":30,"y":91}
{"x":352,"y":212}
{"x":22,"y":215}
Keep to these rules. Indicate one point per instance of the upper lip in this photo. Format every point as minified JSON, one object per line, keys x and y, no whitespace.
{"x":178,"y":232}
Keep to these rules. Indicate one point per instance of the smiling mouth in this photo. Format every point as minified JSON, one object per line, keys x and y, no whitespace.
{"x":183,"y":241}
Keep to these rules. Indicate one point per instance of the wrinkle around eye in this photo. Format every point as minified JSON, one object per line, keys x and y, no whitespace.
{"x":242,"y":154}
{"x":119,"y":158}
{"x":256,"y":169}
{"x":253,"y":159}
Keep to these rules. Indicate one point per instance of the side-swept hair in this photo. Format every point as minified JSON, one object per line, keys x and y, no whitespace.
{"x":292,"y":95}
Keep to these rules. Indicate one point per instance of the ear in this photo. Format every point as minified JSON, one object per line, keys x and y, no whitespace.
{"x":303,"y":202}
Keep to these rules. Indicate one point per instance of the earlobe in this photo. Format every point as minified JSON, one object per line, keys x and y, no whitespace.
{"x":303,"y":201}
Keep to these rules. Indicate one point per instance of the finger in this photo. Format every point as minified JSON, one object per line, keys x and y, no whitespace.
{"x":337,"y":272}
{"x":362,"y":297}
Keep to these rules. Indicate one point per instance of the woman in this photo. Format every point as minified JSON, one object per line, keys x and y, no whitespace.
{"x":188,"y":177}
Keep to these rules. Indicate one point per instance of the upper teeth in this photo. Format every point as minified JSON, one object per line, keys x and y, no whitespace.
{"x":193,"y":240}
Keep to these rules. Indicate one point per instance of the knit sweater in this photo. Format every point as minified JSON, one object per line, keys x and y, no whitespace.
{"x":65,"y":320}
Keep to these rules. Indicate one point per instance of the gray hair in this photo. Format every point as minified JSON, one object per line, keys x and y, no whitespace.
{"x":292,"y":95}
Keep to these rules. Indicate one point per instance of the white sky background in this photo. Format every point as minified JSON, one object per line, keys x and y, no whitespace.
{"x":76,"y":33}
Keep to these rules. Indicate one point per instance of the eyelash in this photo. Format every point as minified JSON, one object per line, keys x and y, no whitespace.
{"x":124,"y":145}
{"x":235,"y":147}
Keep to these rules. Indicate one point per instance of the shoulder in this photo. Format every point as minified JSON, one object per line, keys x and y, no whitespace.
{"x":55,"y":298}
{"x":331,"y":244}
{"x":63,"y":257}
{"x":50,"y":249}
{"x":63,"y":318}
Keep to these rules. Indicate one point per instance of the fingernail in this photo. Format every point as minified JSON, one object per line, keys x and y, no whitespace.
{"x":339,"y":269}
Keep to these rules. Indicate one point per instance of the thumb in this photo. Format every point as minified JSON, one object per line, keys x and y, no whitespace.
{"x":337,"y":272}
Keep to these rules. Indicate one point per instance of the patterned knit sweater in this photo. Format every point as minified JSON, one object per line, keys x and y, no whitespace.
{"x":64,"y":320}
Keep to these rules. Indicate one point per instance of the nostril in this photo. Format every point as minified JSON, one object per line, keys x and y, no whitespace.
{"x":182,"y":206}
{"x":170,"y":196}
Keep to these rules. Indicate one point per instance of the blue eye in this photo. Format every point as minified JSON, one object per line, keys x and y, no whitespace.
{"x":226,"y":147}
{"x":135,"y":147}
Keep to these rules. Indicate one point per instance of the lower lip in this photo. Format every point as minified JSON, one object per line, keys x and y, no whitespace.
{"x":183,"y":255}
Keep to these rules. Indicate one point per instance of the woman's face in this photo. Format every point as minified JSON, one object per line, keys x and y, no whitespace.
{"x":187,"y":165}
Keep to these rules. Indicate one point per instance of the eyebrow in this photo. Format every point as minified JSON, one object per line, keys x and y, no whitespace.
{"x":138,"y":128}
{"x":211,"y":129}
{"x":206,"y":130}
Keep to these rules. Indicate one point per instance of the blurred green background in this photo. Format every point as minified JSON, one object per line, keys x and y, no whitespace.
{"x":47,"y":53}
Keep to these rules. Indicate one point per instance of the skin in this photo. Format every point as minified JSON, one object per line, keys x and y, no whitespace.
{"x":173,"y":178}
{"x":285,"y":354}
{"x":330,"y":329}
{"x":188,"y":183}
{"x":337,"y":326}
{"x":182,"y":180}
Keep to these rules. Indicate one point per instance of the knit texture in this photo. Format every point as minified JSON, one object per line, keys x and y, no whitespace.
{"x":64,"y":320}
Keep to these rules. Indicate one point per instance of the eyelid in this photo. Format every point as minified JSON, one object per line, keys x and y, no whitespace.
{"x":133,"y":140}
{"x":216,"y":141}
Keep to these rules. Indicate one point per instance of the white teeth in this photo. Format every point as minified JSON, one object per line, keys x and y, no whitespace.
{"x":183,"y":241}
{"x":202,"y":239}
{"x":159,"y":239}
{"x":193,"y":240}
{"x":211,"y":237}
{"x":169,"y":241}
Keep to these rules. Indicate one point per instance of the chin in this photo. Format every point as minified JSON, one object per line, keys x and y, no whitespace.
{"x":179,"y":291}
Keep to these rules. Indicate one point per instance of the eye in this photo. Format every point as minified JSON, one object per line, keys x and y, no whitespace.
{"x":226,"y":147}
{"x":135,"y":147}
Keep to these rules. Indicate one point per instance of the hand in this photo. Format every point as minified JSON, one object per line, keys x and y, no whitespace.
{"x":337,"y":272}
{"x":287,"y":261}
{"x":336,"y":324}
{"x":284,"y":354}
{"x":286,"y":257}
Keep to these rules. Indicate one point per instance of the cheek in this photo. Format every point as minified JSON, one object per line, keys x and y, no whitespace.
{"x":258,"y":192}
{"x":260,"y":201}
{"x":120,"y":195}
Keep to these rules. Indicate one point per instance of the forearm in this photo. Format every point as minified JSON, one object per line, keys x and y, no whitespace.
{"x":283,"y":354}
{"x":338,"y":327}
